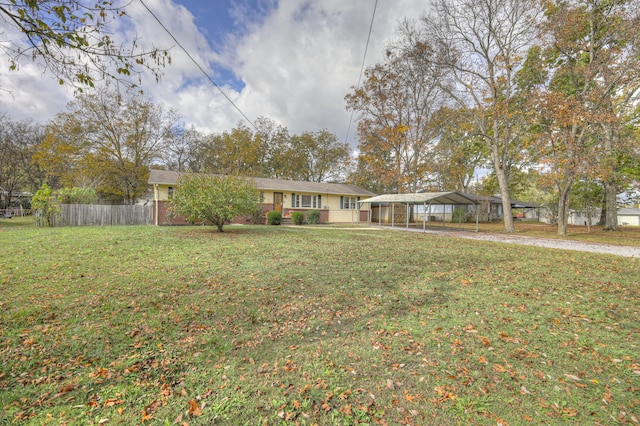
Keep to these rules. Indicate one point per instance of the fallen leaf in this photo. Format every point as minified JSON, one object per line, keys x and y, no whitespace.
{"x":194,"y":408}
{"x":110,"y":402}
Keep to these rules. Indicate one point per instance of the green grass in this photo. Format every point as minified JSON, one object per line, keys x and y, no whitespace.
{"x":278,"y":325}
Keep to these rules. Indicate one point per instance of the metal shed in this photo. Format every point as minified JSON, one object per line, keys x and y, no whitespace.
{"x":425,"y":199}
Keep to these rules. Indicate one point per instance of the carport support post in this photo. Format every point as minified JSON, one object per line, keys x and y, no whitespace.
{"x":393,"y":214}
{"x":424,"y":216}
{"x":406,"y":215}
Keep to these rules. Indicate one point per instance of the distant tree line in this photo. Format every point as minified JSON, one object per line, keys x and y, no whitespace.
{"x":543,"y":94}
{"x":108,"y":141}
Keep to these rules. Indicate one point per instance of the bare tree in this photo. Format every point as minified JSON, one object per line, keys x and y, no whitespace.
{"x":482,"y":44}
{"x":182,"y":146}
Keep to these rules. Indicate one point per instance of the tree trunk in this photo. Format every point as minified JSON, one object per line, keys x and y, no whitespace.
{"x":611,"y":207}
{"x":220,"y":224}
{"x":504,"y":191}
{"x":563,"y":208}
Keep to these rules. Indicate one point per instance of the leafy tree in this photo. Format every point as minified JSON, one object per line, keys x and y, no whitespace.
{"x":271,"y":152}
{"x":587,"y":100}
{"x":72,"y":40}
{"x":458,"y":152}
{"x":82,"y":195}
{"x":319,"y":157}
{"x":18,"y":140}
{"x":214,"y":198}
{"x":46,"y":209}
{"x":520,"y":182}
{"x":396,"y":104}
{"x":275,"y":149}
{"x":237,"y":152}
{"x":107,"y":142}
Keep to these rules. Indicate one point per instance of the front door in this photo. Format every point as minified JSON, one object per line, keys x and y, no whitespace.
{"x":277,"y":201}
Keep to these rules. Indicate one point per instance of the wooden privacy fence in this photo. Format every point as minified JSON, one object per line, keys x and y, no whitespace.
{"x":99,"y":215}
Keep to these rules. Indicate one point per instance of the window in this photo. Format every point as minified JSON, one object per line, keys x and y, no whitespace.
{"x":171,"y":191}
{"x":349,"y":203}
{"x":305,"y":201}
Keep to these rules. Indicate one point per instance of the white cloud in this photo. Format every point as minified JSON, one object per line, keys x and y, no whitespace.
{"x":301,"y":61}
{"x":297,"y":63}
{"x":28,"y":92}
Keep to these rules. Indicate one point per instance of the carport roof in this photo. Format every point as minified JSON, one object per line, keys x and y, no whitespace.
{"x":422,"y":198}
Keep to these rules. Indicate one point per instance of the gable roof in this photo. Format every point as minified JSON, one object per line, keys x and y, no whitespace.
{"x":627,"y":211}
{"x":423,"y":198}
{"x":164,"y":177}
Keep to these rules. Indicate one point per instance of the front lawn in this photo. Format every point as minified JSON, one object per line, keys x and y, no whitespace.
{"x":286,"y":325}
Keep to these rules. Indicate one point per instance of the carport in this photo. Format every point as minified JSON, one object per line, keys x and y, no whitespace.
{"x":408,"y":201}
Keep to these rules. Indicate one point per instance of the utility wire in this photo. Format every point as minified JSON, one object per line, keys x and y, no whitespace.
{"x":198,"y":65}
{"x":364,"y":57}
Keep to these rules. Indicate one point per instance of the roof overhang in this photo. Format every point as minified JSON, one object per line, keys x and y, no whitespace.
{"x":421,"y":198}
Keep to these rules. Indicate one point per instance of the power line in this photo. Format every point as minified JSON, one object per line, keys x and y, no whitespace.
{"x":198,"y":65}
{"x":364,"y":57}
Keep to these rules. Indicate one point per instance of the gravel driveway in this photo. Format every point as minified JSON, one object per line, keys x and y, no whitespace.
{"x":626,"y":251}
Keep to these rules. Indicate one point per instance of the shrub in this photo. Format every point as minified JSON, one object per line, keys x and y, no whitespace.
{"x":274,"y":218}
{"x":313,"y":217}
{"x":46,"y":209}
{"x":255,"y":216}
{"x":297,"y":218}
{"x":458,"y":215}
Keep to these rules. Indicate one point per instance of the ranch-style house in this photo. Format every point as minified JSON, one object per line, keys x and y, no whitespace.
{"x":337,"y":203}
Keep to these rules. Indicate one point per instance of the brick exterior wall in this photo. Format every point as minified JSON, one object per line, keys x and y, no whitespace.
{"x":163,"y":220}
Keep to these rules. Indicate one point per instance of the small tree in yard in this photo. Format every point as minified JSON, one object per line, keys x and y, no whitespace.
{"x":45,"y":207}
{"x":212,"y":198}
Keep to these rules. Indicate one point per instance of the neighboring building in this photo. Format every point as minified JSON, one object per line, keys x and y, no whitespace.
{"x":337,"y":203}
{"x":628,"y":217}
{"x":584,"y":217}
{"x":490,"y":209}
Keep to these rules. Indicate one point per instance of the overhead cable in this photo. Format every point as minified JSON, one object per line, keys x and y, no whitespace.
{"x":198,"y":65}
{"x":364,"y":57}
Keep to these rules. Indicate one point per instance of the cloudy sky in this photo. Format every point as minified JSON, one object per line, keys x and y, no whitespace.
{"x":289,"y":60}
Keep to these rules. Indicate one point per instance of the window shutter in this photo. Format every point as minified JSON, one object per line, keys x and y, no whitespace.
{"x":293,"y":200}
{"x":341,"y":202}
{"x":319,"y":201}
